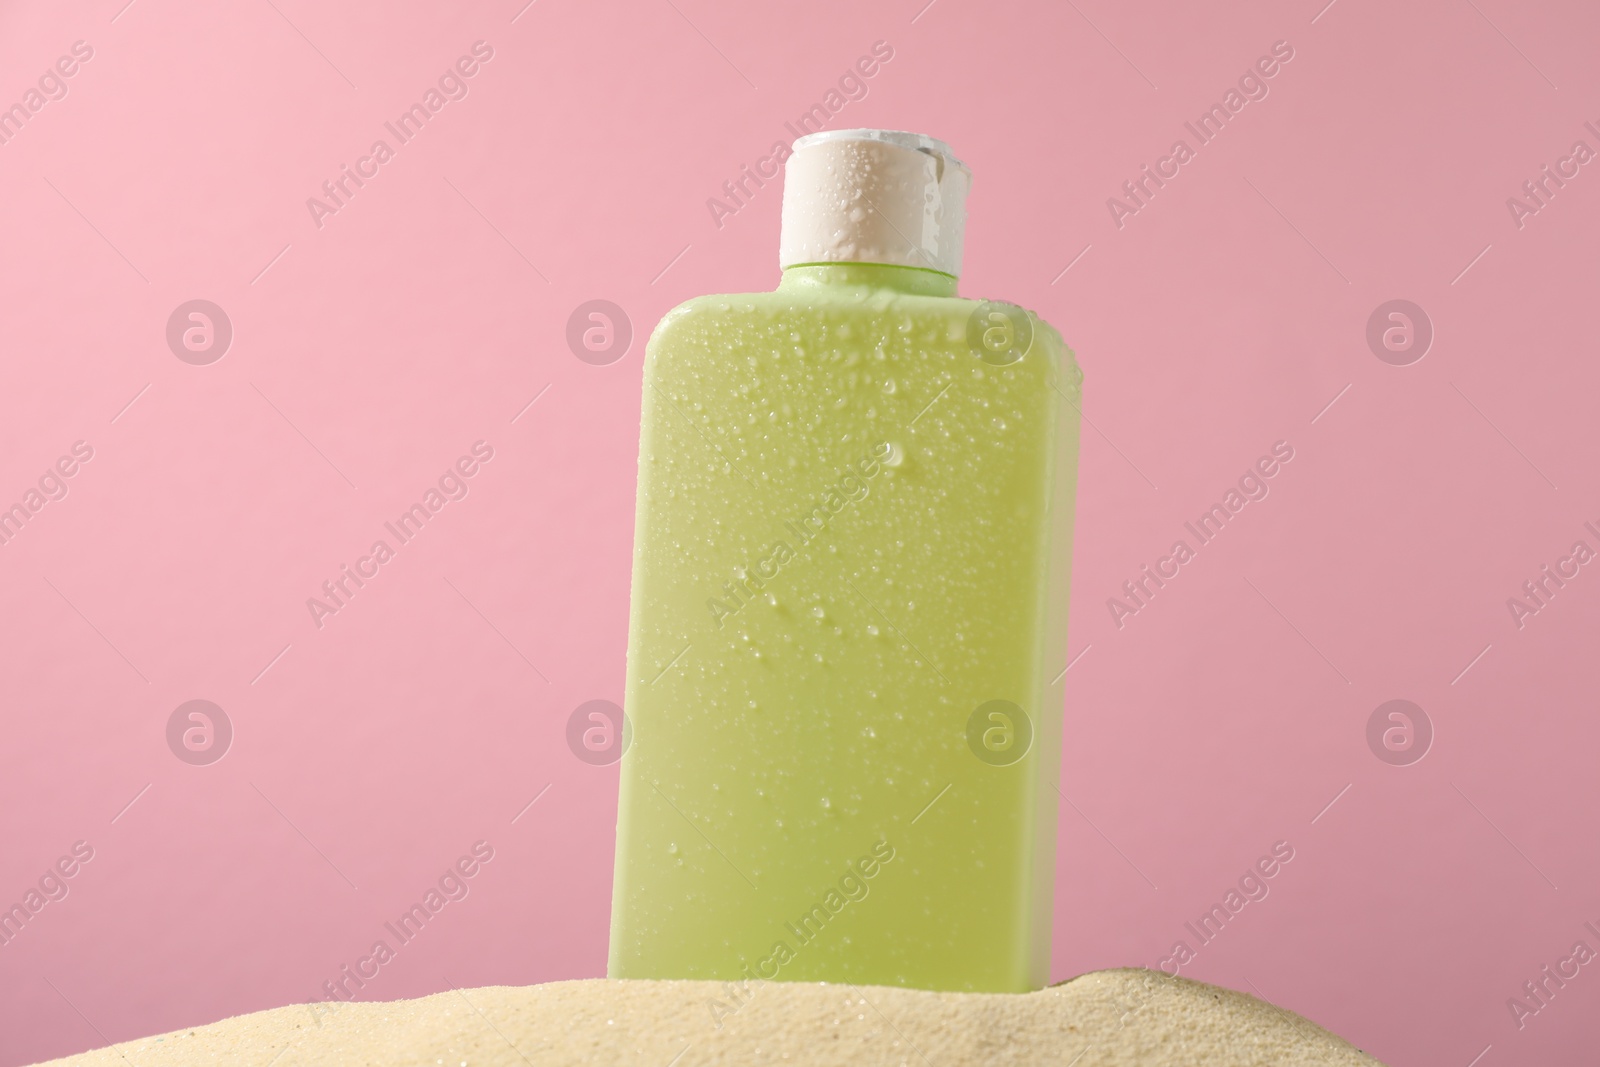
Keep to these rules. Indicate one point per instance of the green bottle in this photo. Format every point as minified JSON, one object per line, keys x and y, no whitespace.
{"x":849,"y":604}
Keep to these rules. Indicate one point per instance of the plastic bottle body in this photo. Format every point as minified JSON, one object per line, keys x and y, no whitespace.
{"x":850,"y":581}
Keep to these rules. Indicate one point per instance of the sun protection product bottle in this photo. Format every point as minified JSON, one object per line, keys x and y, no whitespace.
{"x":848,"y":634}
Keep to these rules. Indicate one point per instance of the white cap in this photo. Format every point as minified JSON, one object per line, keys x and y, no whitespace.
{"x":874,"y":196}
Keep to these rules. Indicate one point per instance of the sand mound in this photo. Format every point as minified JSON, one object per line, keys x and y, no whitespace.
{"x":1104,"y":1019}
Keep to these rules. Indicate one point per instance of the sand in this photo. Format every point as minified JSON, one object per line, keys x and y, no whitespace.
{"x":1104,"y":1019}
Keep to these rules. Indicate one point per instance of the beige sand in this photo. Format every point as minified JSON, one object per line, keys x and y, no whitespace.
{"x":1104,"y":1019}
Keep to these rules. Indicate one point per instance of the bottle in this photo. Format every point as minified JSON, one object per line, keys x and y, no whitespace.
{"x":848,"y":629}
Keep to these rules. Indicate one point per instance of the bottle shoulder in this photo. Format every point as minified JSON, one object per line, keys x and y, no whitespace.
{"x":720,"y":333}
{"x":728,"y":336}
{"x":858,"y":315}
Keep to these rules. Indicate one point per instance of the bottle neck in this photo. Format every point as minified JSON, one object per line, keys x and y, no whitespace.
{"x":915,"y":281}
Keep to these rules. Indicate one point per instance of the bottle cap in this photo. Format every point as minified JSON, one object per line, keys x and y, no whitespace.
{"x":874,"y":196}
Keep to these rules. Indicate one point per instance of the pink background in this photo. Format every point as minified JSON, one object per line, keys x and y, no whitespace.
{"x":370,"y":353}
